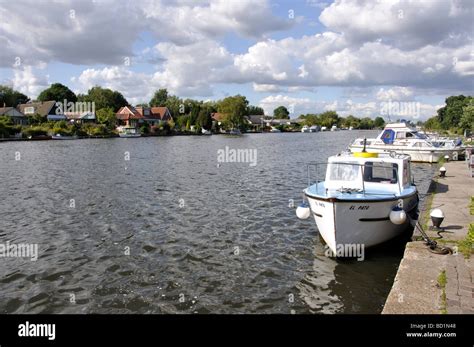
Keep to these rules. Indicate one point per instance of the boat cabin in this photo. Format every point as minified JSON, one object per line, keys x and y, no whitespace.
{"x":399,"y":131}
{"x":368,"y":172}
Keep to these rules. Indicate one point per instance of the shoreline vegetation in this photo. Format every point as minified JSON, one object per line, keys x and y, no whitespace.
{"x":190,"y":117}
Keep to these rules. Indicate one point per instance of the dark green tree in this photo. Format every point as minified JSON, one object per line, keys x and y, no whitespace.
{"x":104,"y":98}
{"x":255,"y":110}
{"x":379,"y":122}
{"x":281,"y":112}
{"x":10,"y":97}
{"x":159,"y":98}
{"x":57,"y":92}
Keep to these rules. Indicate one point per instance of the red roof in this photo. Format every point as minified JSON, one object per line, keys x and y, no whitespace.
{"x":130,"y":112}
{"x":217,"y":116}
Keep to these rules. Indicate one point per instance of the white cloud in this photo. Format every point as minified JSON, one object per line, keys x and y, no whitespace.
{"x":395,"y":93}
{"x":403,"y":23}
{"x":25,"y":81}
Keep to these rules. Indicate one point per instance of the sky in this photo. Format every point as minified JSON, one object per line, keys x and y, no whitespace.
{"x":354,"y":57}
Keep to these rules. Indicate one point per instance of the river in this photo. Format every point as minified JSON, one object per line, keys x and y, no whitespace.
{"x":160,"y":225}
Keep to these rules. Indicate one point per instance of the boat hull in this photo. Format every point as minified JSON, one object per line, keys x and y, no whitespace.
{"x":359,"y":222}
{"x":423,"y":156}
{"x":129,"y":135}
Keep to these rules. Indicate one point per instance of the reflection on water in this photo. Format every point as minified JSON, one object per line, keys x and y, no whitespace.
{"x":171,"y":231}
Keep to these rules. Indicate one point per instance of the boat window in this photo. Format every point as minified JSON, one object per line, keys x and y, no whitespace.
{"x":380,"y":172}
{"x":409,"y":135}
{"x":400,"y":135}
{"x":406,"y":173}
{"x":343,"y":172}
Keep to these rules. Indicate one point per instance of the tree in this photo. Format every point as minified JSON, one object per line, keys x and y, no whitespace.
{"x":310,"y":119}
{"x":106,"y":116}
{"x":234,"y":109}
{"x":467,"y":118}
{"x":204,"y":119}
{"x":432,"y":123}
{"x":159,"y":98}
{"x":379,"y":122}
{"x":104,"y":98}
{"x":329,"y":118}
{"x":10,"y":97}
{"x":255,"y":110}
{"x":450,"y":115}
{"x":366,"y":123}
{"x":175,"y":106}
{"x":281,"y":112}
{"x":58,"y":92}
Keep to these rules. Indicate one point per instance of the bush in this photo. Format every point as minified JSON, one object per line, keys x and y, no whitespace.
{"x":35,"y":131}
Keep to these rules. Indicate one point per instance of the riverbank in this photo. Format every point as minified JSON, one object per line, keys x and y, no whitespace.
{"x":428,"y":283}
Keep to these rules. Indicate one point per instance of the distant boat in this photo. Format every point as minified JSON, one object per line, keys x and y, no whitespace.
{"x":324,"y":128}
{"x":314,"y":129}
{"x":351,"y":128}
{"x":275,"y":130}
{"x":206,"y":132}
{"x":334,"y":128}
{"x":63,"y":137}
{"x":305,"y":129}
{"x":235,"y":132}
{"x":128,"y":132}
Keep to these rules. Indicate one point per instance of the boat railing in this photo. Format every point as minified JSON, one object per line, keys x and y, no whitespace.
{"x":316,"y":175}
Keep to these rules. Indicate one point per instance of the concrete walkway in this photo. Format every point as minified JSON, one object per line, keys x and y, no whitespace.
{"x":416,"y":288}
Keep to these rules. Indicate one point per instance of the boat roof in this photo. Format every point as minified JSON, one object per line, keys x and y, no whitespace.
{"x":386,"y":157}
{"x":398,"y":125}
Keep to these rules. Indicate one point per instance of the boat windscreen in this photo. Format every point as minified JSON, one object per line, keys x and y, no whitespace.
{"x":419,"y":136}
{"x":343,"y":172}
{"x":381,"y":172}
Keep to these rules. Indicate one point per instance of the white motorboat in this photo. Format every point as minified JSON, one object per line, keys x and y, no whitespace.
{"x":313,"y":129}
{"x":206,"y":132}
{"x":399,"y":137}
{"x":364,"y":199}
{"x":275,"y":130}
{"x":63,"y":137}
{"x":324,"y":128}
{"x":305,"y":129}
{"x":128,"y":131}
{"x":334,"y":128}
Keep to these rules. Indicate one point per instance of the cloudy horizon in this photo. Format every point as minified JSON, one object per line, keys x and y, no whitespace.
{"x":310,"y":56}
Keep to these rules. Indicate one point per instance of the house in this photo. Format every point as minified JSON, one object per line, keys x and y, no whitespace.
{"x":80,"y":117}
{"x":135,"y":116}
{"x":255,"y":122}
{"x":43,"y":108}
{"x":16,"y":116}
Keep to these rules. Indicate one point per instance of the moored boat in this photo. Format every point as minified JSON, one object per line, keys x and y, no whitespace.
{"x":401,"y":138}
{"x":365,"y":199}
{"x":235,"y":132}
{"x":128,"y":131}
{"x":305,"y":129}
{"x":63,"y":137}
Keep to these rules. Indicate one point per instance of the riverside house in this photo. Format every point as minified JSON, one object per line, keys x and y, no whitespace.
{"x":43,"y":108}
{"x":135,"y":116}
{"x":16,"y":116}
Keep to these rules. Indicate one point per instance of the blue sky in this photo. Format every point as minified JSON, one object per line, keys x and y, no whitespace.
{"x":308,"y":55}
